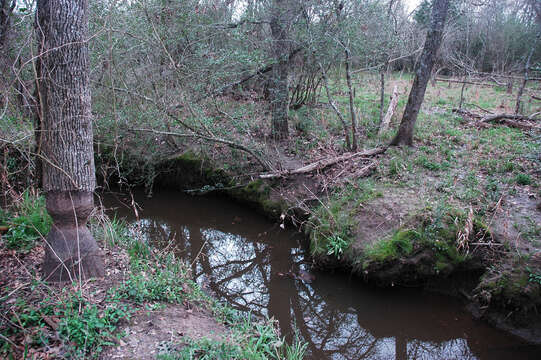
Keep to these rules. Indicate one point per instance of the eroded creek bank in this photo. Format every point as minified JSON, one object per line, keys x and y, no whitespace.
{"x":421,"y":254}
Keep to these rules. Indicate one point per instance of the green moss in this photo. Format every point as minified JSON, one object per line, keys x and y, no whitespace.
{"x":400,"y":244}
{"x":257,"y":194}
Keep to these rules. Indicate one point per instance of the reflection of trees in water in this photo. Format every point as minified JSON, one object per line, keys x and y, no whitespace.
{"x":244,"y":272}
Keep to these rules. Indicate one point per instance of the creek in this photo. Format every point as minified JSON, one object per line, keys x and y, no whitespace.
{"x":255,"y":265}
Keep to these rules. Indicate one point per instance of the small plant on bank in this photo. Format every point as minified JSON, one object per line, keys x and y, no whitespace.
{"x":534,"y":277}
{"x":336,"y":246}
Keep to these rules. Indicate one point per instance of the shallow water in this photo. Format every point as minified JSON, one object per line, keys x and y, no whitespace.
{"x":249,"y":262}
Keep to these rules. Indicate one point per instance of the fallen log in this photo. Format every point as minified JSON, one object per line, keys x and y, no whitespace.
{"x":510,"y":120}
{"x":500,"y":117}
{"x":515,"y":121}
{"x":390,"y":111}
{"x":465,"y":82}
{"x":323,"y":163}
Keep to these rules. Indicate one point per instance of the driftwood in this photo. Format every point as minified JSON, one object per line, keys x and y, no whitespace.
{"x":510,"y":120}
{"x":323,"y":163}
{"x":384,"y":126}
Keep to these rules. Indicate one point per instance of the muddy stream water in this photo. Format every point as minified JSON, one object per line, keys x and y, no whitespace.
{"x":254,"y":265}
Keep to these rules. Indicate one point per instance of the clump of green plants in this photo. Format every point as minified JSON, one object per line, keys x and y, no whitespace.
{"x":534,"y":277}
{"x":249,"y":339}
{"x":84,"y":327}
{"x":523,"y":179}
{"x":332,"y":223}
{"x":155,"y":278}
{"x":400,"y":244}
{"x":26,"y":222}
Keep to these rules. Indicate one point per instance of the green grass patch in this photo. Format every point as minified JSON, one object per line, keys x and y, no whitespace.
{"x":27,"y":222}
{"x":400,"y":244}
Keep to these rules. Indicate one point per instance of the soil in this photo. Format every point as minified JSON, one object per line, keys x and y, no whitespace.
{"x":151,"y":333}
{"x":385,"y":214}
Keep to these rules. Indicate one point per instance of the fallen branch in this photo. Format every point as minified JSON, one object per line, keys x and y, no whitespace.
{"x":465,"y":82}
{"x":510,"y":120}
{"x":229,"y":143}
{"x":500,"y":117}
{"x":323,"y":163}
{"x":516,"y":121}
{"x":390,"y":111}
{"x":365,"y":171}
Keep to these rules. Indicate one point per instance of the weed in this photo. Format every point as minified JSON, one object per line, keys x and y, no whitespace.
{"x":30,"y":223}
{"x":148,"y":282}
{"x":79,"y":323}
{"x":401,"y":243}
{"x":431,"y":165}
{"x":336,"y":246}
{"x":523,"y":179}
{"x":534,"y":277}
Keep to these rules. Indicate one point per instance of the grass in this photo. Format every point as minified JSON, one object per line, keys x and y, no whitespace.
{"x":400,"y":244}
{"x":26,"y":224}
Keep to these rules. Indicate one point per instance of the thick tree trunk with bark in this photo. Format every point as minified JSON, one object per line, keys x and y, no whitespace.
{"x":279,"y":87}
{"x":68,"y":157}
{"x":6,"y":10}
{"x":422,"y":75}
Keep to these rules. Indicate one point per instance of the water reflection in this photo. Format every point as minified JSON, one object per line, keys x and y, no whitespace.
{"x":251,"y":264}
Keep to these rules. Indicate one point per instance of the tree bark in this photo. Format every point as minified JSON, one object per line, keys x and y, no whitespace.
{"x":279,"y":87}
{"x":68,"y":157}
{"x":424,"y":69}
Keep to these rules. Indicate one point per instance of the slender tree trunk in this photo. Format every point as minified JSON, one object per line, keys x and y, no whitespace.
{"x":462,"y":92}
{"x":382,"y":95}
{"x":68,"y":157}
{"x":351,"y":104}
{"x":279,"y":87}
{"x":424,"y":69}
{"x":526,"y":70}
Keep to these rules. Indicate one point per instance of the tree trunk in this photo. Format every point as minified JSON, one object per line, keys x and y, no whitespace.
{"x":426,"y":63}
{"x":526,"y":69}
{"x":351,"y":104}
{"x":68,"y":157}
{"x":279,"y":87}
{"x":6,"y":10}
{"x":381,"y":94}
